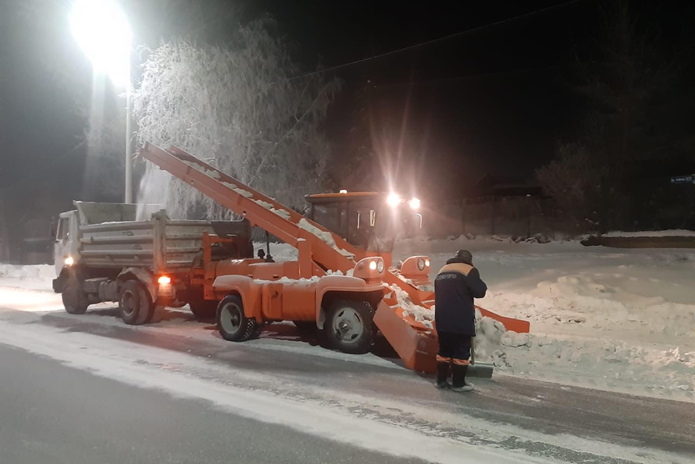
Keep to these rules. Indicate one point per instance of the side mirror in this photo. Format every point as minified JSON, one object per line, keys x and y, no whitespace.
{"x":261,"y":253}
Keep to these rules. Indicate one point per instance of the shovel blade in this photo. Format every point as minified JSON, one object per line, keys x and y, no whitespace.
{"x":480,"y":370}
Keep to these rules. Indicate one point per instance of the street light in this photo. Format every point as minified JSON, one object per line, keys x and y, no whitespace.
{"x":102,"y":30}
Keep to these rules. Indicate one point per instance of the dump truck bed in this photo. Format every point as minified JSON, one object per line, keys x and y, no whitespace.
{"x":158,"y":244}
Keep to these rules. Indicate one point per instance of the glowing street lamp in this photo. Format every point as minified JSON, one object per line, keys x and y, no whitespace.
{"x":102,"y":31}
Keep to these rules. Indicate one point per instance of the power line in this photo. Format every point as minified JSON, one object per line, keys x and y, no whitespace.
{"x":477,"y":75}
{"x":439,"y":39}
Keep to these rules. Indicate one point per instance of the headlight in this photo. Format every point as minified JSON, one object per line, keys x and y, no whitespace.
{"x":372,"y":265}
{"x":414,"y":203}
{"x":69,"y":261}
{"x":393,"y":200}
{"x":421,"y":264}
{"x":427,"y":262}
{"x":380,"y":266}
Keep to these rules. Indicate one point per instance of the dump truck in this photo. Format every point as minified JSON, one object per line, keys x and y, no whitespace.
{"x":343,"y":281}
{"x":103,"y":254}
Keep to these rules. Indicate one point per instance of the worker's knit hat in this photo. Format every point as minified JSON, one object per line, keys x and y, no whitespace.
{"x":465,"y":255}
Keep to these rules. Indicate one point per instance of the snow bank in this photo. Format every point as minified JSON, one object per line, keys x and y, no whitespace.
{"x":40,"y":272}
{"x":620,"y":320}
{"x":653,"y":233}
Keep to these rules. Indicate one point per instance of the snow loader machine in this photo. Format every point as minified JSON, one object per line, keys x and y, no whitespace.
{"x":342,"y":281}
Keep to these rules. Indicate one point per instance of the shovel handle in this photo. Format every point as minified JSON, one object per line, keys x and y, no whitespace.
{"x":472,"y":350}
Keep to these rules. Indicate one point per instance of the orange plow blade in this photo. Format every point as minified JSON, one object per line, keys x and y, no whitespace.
{"x":415,"y":344}
{"x":415,"y":339}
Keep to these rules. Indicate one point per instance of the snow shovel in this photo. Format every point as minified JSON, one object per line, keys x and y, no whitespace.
{"x":480,"y":370}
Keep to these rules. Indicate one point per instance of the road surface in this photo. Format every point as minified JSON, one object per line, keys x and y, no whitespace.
{"x":90,"y":389}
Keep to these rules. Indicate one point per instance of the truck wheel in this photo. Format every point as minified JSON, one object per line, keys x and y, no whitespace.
{"x":232,"y":322}
{"x":75,"y":300}
{"x":203,"y":310}
{"x":135,"y":303}
{"x":348,"y":326}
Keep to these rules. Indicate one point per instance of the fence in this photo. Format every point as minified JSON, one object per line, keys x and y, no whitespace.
{"x":513,"y":215}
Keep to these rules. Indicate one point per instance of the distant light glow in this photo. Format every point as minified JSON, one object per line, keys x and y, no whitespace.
{"x":164,"y":280}
{"x":393,"y":200}
{"x":343,"y":191}
{"x":69,"y":261}
{"x":103,"y":32}
{"x":414,"y":203}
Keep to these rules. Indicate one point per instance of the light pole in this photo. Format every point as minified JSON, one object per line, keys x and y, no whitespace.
{"x":102,"y":30}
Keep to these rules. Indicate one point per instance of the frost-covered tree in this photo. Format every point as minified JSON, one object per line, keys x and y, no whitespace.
{"x":239,"y":108}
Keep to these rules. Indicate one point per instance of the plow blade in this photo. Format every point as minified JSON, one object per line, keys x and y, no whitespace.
{"x":415,"y":340}
{"x":415,"y":344}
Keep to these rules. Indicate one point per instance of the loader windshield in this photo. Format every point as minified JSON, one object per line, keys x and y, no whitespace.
{"x":364,"y":219}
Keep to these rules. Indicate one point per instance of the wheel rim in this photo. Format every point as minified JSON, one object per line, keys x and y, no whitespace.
{"x":230,"y":318}
{"x":348,"y":326}
{"x":128,"y":302}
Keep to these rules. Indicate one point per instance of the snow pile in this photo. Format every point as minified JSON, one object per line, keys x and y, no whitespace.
{"x":286,"y":280}
{"x":283,"y":213}
{"x":211,"y":173}
{"x":615,"y":319}
{"x":36,"y":277}
{"x":240,"y":191}
{"x":489,"y":332}
{"x":40,"y":272}
{"x":419,"y":313}
{"x":326,"y":237}
{"x":652,"y":233}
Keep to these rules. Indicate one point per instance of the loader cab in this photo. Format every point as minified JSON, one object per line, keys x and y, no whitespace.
{"x":369,"y":220}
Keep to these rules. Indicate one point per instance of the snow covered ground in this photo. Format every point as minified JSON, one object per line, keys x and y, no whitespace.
{"x":614,"y":319}
{"x":619,"y":320}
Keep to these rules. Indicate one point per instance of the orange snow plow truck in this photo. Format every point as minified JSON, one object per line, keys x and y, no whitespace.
{"x":342,"y":283}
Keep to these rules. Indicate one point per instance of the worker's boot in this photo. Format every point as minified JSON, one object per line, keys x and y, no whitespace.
{"x":442,"y":374}
{"x":459,"y":378}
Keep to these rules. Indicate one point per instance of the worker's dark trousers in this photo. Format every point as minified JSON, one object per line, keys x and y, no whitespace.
{"x":454,"y":354}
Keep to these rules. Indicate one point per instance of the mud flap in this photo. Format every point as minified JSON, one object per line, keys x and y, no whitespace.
{"x":416,"y":347}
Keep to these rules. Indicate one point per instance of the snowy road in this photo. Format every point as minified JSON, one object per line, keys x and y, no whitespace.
{"x":302,"y":401}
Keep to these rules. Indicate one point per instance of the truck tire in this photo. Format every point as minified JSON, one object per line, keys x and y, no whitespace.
{"x":203,"y":310}
{"x":135,"y":303}
{"x":232,"y":322}
{"x":75,"y":300}
{"x":349,"y":326}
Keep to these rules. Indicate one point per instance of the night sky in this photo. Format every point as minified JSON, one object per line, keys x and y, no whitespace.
{"x":494,"y":101}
